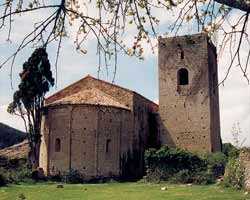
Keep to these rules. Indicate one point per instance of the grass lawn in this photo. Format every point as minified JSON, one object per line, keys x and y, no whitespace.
{"x":119,"y":191}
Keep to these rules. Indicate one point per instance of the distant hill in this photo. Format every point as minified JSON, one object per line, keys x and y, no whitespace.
{"x":10,"y":136}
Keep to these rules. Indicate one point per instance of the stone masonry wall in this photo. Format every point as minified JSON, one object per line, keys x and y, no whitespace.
{"x":114,"y":132}
{"x":245,"y":158}
{"x":185,"y":112}
{"x":58,"y":127}
{"x":214,"y":98}
{"x":84,"y":131}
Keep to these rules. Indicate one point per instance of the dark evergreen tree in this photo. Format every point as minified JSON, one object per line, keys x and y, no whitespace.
{"x":28,"y":100}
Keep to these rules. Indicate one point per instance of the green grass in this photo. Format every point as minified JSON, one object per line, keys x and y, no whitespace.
{"x":120,"y":191}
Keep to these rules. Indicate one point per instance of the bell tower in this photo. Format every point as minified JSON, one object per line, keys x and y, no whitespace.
{"x":189,"y":96}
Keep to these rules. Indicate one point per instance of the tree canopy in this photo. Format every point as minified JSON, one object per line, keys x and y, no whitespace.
{"x":28,"y":100}
{"x":109,"y":20}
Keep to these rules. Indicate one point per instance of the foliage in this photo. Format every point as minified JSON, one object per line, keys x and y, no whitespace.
{"x":14,"y":170}
{"x":173,"y":164}
{"x":28,"y":100}
{"x":182,"y":176}
{"x":181,"y":166}
{"x":175,"y":159}
{"x":200,"y":177}
{"x":38,"y":175}
{"x":73,"y":176}
{"x":216,"y":163}
{"x":235,"y":174}
{"x":203,"y":177}
{"x":230,"y":150}
{"x":109,"y":21}
{"x":3,"y":178}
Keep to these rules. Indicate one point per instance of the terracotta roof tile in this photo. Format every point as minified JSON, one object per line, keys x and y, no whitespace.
{"x":92,"y":96}
{"x":16,"y":151}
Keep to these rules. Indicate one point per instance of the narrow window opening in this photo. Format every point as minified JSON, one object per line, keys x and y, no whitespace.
{"x":180,"y":51}
{"x":182,"y":54}
{"x":58,"y":145}
{"x":182,"y":76}
{"x":108,"y":145}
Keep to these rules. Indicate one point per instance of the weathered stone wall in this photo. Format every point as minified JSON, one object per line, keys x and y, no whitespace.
{"x":43,"y":157}
{"x":84,"y":131}
{"x":55,"y":124}
{"x":114,"y":125}
{"x":245,"y":158}
{"x":214,"y":98}
{"x":143,"y":110}
{"x":186,"y":119}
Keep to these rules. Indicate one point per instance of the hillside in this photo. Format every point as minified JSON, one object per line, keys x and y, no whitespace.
{"x":10,"y":136}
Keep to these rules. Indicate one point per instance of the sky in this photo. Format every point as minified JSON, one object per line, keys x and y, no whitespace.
{"x":132,"y":73}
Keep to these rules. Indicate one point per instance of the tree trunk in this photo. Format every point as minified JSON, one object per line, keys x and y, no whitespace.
{"x":34,"y":155}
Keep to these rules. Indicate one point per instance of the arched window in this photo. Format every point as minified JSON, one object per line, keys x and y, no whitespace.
{"x":58,"y":145}
{"x":182,"y":76}
{"x":182,"y":55}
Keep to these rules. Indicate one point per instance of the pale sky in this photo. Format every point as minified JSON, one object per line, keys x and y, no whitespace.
{"x":138,"y":75}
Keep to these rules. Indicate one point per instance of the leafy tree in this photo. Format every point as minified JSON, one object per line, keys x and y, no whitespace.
{"x":28,"y":100}
{"x":110,"y":20}
{"x":230,"y":151}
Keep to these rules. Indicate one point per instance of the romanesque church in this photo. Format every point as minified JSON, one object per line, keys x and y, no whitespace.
{"x":102,"y":129}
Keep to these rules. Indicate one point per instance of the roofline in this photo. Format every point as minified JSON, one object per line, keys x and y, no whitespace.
{"x":145,"y":98}
{"x":88,"y":76}
{"x":65,"y":88}
{"x":183,"y":36}
{"x":106,"y":82}
{"x":128,"y":90}
{"x":84,"y":104}
{"x":112,"y":84}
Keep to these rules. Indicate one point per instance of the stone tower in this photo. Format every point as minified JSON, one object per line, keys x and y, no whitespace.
{"x":189,"y":98}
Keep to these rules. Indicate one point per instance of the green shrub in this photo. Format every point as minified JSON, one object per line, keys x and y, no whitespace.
{"x":21,"y":174}
{"x":216,"y":163}
{"x":56,"y":178}
{"x":14,"y":170}
{"x":234,"y":174}
{"x":156,"y":174}
{"x":3,"y":178}
{"x":73,"y":176}
{"x":181,"y":166}
{"x":183,"y":176}
{"x":203,"y":177}
{"x":230,"y":151}
{"x":175,"y":165}
{"x":173,"y":160}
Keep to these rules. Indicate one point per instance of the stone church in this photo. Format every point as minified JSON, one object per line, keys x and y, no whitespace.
{"x":102,"y":129}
